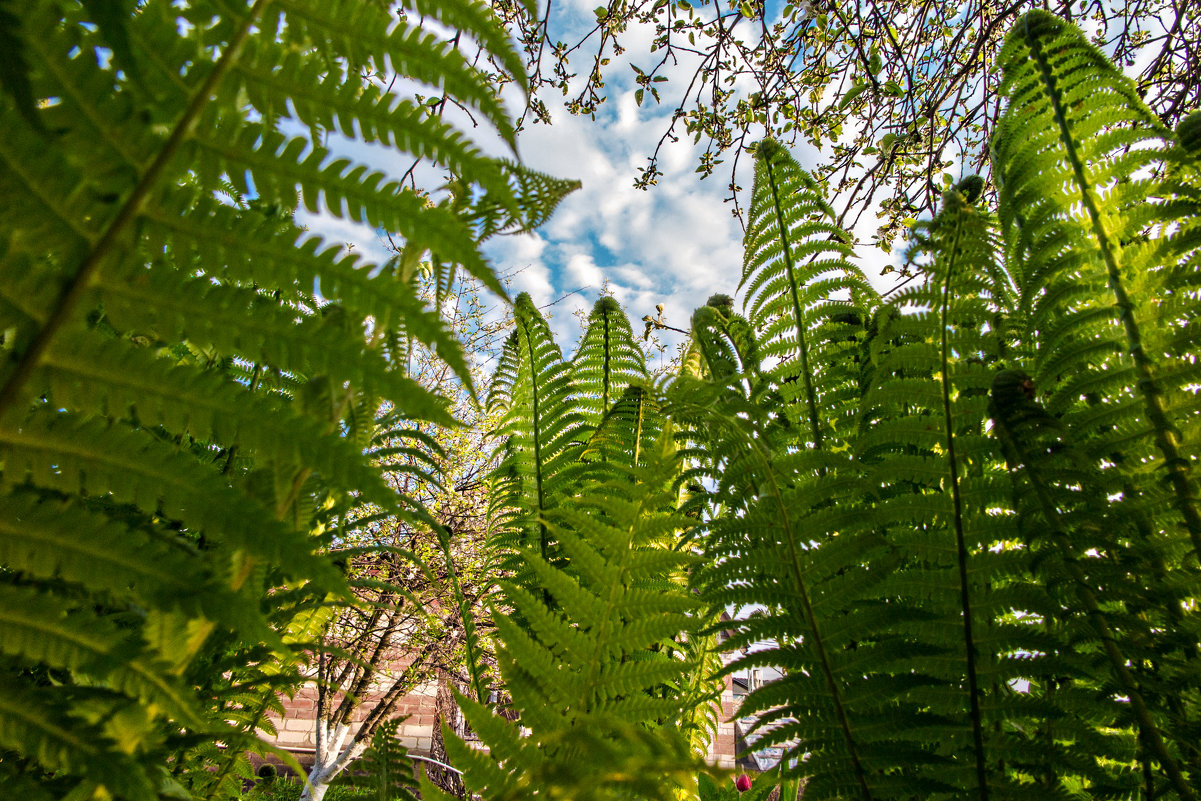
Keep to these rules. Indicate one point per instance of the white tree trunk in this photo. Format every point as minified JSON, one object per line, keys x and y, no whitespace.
{"x":331,"y":758}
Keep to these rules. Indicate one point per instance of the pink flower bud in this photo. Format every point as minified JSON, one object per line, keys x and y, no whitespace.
{"x":742,"y":783}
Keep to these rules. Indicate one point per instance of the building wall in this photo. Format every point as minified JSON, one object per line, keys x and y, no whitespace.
{"x":297,"y":729}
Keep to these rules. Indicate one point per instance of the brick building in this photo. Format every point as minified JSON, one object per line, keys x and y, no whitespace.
{"x":297,"y":729}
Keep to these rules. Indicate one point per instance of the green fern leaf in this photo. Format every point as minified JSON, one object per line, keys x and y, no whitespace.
{"x":583,"y":659}
{"x":1075,"y":121}
{"x":606,"y":361}
{"x":796,"y":260}
{"x":534,"y":388}
{"x":35,"y":727}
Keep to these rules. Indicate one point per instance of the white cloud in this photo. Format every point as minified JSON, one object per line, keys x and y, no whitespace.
{"x":675,"y":244}
{"x":581,"y":269}
{"x":357,"y":238}
{"x":534,"y":278}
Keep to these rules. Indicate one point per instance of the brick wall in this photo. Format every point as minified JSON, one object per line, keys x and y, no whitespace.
{"x":297,"y":729}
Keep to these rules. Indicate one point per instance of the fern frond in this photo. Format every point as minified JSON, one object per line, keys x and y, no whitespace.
{"x":388,"y":767}
{"x":626,"y":434}
{"x":1074,"y":121}
{"x":477,"y":670}
{"x":479,"y":21}
{"x":188,"y":386}
{"x":41,"y":628}
{"x":760,"y":555}
{"x":36,"y":726}
{"x":275,"y":78}
{"x":542,"y":429}
{"x":95,"y":459}
{"x":367,"y":36}
{"x":534,"y":196}
{"x":247,"y":249}
{"x":40,"y":539}
{"x":85,"y":373}
{"x":797,"y":277}
{"x":607,"y":360}
{"x":1024,"y":429}
{"x":585,"y":664}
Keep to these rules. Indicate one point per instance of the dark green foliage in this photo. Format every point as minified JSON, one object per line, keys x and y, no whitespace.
{"x":1188,"y":133}
{"x":971,"y":188}
{"x":189,"y":383}
{"x":592,"y":663}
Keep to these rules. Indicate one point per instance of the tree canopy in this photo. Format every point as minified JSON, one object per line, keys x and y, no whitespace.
{"x":892,"y":92}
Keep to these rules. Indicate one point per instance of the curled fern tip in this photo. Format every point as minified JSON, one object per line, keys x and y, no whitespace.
{"x":971,"y":188}
{"x":1188,"y":133}
{"x":723,"y":303}
{"x":767,"y":148}
{"x":606,"y":305}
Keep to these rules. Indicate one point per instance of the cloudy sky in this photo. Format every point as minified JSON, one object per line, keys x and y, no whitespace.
{"x":675,"y":244}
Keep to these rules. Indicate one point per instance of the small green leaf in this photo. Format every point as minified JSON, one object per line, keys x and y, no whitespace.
{"x":851,"y":94}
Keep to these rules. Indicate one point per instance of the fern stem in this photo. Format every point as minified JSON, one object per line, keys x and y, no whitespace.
{"x":1118,"y":662}
{"x":109,"y":241}
{"x":536,"y":430}
{"x":802,"y":344}
{"x":605,"y":371}
{"x":1166,"y":436}
{"x":638,"y":428}
{"x":957,"y":504}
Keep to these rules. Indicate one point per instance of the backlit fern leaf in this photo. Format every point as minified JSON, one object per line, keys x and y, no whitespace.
{"x":1099,"y":255}
{"x":759,"y":552}
{"x":541,"y":428}
{"x":799,"y":285}
{"x":627,"y":432}
{"x":192,"y":382}
{"x":606,"y":361}
{"x":591,"y":667}
{"x":1071,"y":526}
{"x":932,"y":473}
{"x":526,"y":201}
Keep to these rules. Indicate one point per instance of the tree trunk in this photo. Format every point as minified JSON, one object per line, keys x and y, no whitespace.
{"x":446,"y":711}
{"x":331,"y":759}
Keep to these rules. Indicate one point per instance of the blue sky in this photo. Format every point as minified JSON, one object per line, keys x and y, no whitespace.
{"x":675,"y":244}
